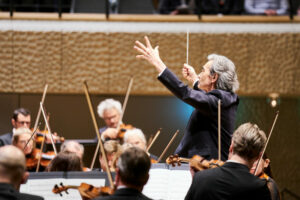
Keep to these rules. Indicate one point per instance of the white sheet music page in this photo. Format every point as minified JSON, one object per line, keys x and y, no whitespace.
{"x":168,"y":184}
{"x":43,"y":187}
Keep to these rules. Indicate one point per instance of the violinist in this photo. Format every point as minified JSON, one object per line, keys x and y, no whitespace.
{"x":132,"y":173}
{"x":136,"y":138}
{"x":65,"y":161}
{"x":233,"y":180}
{"x":216,"y":81}
{"x":13,"y":174}
{"x":110,"y":111}
{"x":113,"y":150}
{"x":20,"y":119}
{"x":264,"y":172}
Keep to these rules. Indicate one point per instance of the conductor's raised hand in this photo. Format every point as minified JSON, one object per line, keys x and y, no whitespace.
{"x":189,"y":73}
{"x":149,"y":54}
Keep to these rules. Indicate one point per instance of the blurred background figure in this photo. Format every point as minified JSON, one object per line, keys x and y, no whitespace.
{"x":65,"y":161}
{"x":266,"y":7}
{"x":113,"y":150}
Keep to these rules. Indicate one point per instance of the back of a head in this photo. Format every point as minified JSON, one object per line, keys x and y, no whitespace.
{"x":65,"y":161}
{"x":134,"y":165}
{"x":12,"y":164}
{"x":248,"y":141}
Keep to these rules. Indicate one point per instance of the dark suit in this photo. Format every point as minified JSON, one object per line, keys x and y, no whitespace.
{"x":5,"y":139}
{"x":232,"y":181}
{"x":125,"y":193}
{"x":8,"y":192}
{"x":201,"y":134}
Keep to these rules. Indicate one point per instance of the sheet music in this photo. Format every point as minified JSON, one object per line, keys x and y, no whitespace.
{"x":168,"y":184}
{"x":43,"y":187}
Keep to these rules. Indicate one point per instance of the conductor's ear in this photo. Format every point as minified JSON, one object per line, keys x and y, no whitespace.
{"x":215,"y":77}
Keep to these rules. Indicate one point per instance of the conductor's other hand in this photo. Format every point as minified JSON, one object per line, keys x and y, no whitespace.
{"x":189,"y":73}
{"x":149,"y":54}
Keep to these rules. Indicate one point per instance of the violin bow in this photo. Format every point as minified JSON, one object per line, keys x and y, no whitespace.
{"x":187,"y":46}
{"x":219,"y":130}
{"x":263,"y":152}
{"x":36,"y":124}
{"x":42,"y":146}
{"x":100,"y":144}
{"x":39,"y":112}
{"x":155,"y":137}
{"x":48,"y":127}
{"x":167,"y":147}
{"x":125,"y":102}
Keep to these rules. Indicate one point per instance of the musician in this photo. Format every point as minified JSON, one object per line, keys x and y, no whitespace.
{"x":13,"y":174}
{"x":20,"y":139}
{"x":132,"y":173}
{"x":65,"y":161}
{"x":233,"y":181}
{"x":113,"y":150}
{"x":217,"y":80}
{"x":136,"y":137}
{"x":110,"y":111}
{"x":20,"y":119}
{"x":73,"y":147}
{"x":264,"y":171}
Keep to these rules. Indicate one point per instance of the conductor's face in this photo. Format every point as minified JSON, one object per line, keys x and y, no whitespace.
{"x":206,"y":80}
{"x":111,"y":117}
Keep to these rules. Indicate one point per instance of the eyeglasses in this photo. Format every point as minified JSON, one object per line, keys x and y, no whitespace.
{"x":23,"y":122}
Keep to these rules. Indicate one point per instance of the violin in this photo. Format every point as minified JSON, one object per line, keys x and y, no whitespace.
{"x":40,"y":137}
{"x":86,"y":191}
{"x":33,"y":157}
{"x":197,"y":162}
{"x":122,"y":130}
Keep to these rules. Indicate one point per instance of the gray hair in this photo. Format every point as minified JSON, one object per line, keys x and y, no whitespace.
{"x":108,"y":104}
{"x":248,"y":141}
{"x":72,"y":145}
{"x":136,"y":132}
{"x":226,"y":70}
{"x":18,"y":132}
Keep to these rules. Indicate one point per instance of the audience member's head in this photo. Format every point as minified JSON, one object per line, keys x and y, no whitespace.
{"x":133,"y":168}
{"x":12,"y":166}
{"x":20,"y":139}
{"x":21,"y":118}
{"x":65,"y":161}
{"x":136,"y":137}
{"x":73,"y":147}
{"x":247,"y":142}
{"x":113,"y":150}
{"x":110,"y":110}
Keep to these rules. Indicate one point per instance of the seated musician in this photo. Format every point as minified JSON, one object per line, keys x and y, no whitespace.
{"x":233,"y":181}
{"x":113,"y":150}
{"x":13,"y":174}
{"x":65,"y":161}
{"x":110,"y":111}
{"x":20,"y":139}
{"x":20,"y":119}
{"x":136,"y":138}
{"x":264,"y":171}
{"x":132,"y":173}
{"x":74,"y":147}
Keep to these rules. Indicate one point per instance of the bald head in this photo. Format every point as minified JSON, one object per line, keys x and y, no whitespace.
{"x":12,"y":165}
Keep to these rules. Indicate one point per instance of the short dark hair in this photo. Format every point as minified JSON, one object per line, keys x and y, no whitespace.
{"x":22,"y":111}
{"x":134,"y":165}
{"x":65,"y":161}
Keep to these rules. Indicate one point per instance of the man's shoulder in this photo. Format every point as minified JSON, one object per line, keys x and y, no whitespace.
{"x":5,"y":139}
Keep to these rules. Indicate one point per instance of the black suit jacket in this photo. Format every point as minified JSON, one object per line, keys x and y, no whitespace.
{"x":5,"y":139}
{"x":201,"y":134}
{"x":8,"y":192}
{"x":232,"y":181}
{"x":126,"y":194}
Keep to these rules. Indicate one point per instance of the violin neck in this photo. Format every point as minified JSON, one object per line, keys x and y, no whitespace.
{"x":184,"y":160}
